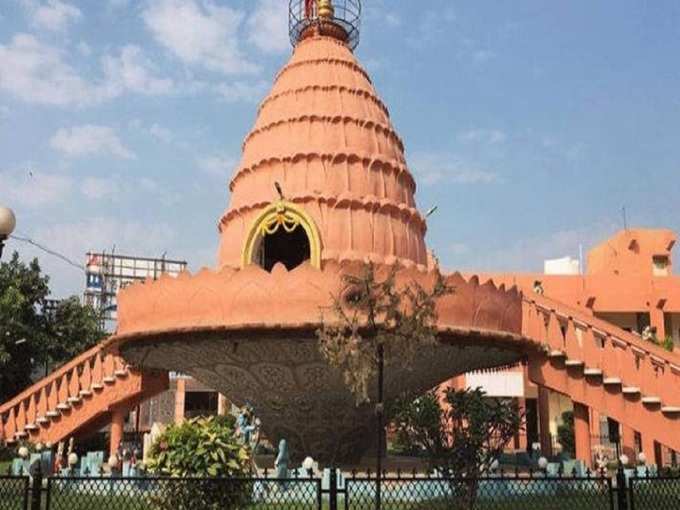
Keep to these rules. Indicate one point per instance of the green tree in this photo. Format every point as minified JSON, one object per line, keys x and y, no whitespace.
{"x":72,"y":329}
{"x":461,"y":432}
{"x":371,"y":312}
{"x":30,"y":338}
{"x":565,"y":434}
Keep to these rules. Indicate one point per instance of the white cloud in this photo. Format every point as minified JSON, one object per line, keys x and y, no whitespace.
{"x":528,"y":253}
{"x":84,"y":49}
{"x":392,"y":20}
{"x":131,"y":70}
{"x":160,"y":133}
{"x":89,"y":140}
{"x":37,"y":73}
{"x":96,"y":188}
{"x":242,"y":91}
{"x":458,"y":249}
{"x":483,"y":136}
{"x":268,"y":26}
{"x":34,"y":189}
{"x":482,"y":55}
{"x":218,"y":165}
{"x":54,"y":15}
{"x":199,"y":32}
{"x":154,"y":130}
{"x":434,"y":167}
{"x":117,"y":4}
{"x":75,"y":239}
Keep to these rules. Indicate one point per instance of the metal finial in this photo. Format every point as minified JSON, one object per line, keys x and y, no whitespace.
{"x":325,"y":8}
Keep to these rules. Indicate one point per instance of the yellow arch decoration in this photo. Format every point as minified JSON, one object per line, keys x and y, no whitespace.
{"x":282,"y":214}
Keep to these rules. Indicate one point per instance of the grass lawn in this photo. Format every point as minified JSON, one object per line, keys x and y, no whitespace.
{"x":5,"y":466}
{"x":87,"y":502}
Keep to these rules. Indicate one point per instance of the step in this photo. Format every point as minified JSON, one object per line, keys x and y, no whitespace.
{"x":651,"y":400}
{"x":573,"y":363}
{"x":670,"y":409}
{"x":52,"y":414}
{"x":630,"y":390}
{"x":74,"y":400}
{"x":85,"y":393}
{"x":63,"y":406}
{"x":592,"y":372}
{"x":42,"y":420}
{"x":120,"y":373}
{"x":611,"y":381}
{"x":20,"y":435}
{"x":556,"y":354}
{"x":109,"y":379}
{"x":97,"y":386}
{"x":31,"y":426}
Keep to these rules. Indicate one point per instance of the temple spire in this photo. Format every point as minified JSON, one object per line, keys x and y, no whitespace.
{"x":338,"y":19}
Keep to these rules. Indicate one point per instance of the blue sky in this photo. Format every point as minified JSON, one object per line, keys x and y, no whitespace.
{"x":529,"y":123}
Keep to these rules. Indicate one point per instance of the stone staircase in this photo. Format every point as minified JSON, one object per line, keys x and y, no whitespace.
{"x":77,"y":398}
{"x":607,"y":369}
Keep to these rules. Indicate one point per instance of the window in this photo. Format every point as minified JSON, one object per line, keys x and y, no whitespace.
{"x":200,"y":403}
{"x":660,"y":265}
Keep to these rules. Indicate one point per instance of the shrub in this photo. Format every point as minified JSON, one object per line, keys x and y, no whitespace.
{"x":668,"y":343}
{"x":202,"y":448}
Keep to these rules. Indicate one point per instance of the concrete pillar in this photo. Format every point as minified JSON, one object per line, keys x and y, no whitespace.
{"x":521,"y":439}
{"x":648,"y":448}
{"x":117,"y":429}
{"x":544,"y":420}
{"x":180,"y":396}
{"x":595,"y":432}
{"x":223,"y":405}
{"x":582,"y":433}
{"x":628,"y":442}
{"x":657,"y":320}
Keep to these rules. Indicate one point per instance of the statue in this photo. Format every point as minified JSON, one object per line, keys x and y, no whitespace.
{"x":59,"y":463}
{"x":281,"y":463}
{"x":248,"y":428}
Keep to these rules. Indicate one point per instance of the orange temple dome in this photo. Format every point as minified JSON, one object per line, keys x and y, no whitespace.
{"x":325,"y":138}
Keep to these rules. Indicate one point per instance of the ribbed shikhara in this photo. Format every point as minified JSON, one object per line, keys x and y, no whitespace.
{"x":324,"y":134}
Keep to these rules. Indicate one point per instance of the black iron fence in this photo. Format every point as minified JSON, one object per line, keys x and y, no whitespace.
{"x":335,"y":491}
{"x":660,"y":491}
{"x":14,"y":493}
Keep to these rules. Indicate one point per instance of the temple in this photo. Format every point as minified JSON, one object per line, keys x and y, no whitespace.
{"x":322,"y":187}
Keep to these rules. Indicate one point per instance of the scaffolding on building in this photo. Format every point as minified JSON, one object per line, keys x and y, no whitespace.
{"x":107,"y":273}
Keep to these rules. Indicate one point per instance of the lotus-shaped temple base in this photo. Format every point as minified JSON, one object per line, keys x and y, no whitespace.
{"x":251,"y":335}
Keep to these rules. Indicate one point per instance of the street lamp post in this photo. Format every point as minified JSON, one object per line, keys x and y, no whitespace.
{"x":380,"y":412}
{"x":7,"y":223}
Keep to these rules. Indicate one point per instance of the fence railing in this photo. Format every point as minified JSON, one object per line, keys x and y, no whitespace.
{"x":337,"y":491}
{"x":14,"y":492}
{"x":654,"y":492}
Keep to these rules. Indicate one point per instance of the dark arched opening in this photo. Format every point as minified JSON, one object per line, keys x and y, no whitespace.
{"x":289,"y":248}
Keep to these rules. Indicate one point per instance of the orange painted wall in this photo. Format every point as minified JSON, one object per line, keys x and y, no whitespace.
{"x":619,"y":278}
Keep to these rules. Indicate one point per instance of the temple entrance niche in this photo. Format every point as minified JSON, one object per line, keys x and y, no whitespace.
{"x":282,"y":233}
{"x":289,"y":248}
